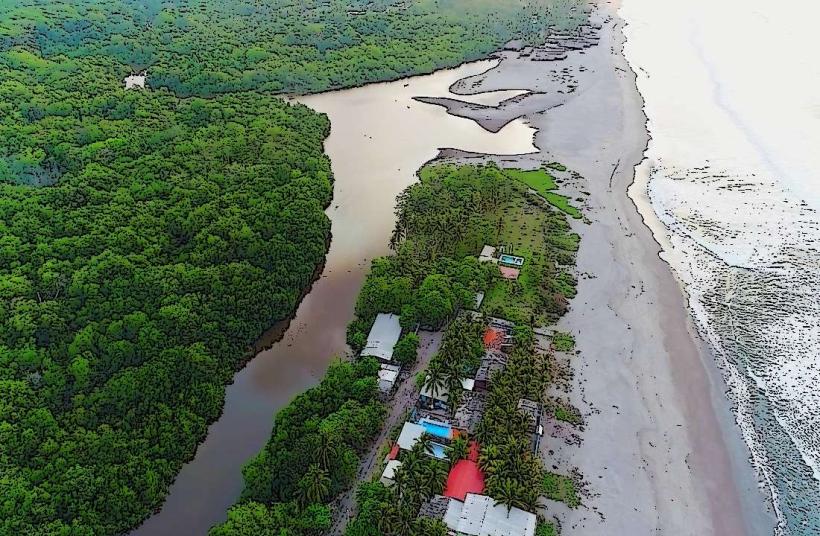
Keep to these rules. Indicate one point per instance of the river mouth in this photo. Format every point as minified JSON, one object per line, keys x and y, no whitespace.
{"x":380,"y":136}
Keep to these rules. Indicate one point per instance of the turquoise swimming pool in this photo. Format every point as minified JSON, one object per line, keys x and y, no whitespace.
{"x":438,"y":450}
{"x":436,"y":428}
{"x":511,"y":260}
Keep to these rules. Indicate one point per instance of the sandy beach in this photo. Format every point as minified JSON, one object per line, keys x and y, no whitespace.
{"x":660,"y":452}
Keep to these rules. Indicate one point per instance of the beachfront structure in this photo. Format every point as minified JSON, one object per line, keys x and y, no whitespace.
{"x":383,"y":337}
{"x":493,"y":361}
{"x":465,"y":476}
{"x":479,"y":515}
{"x":389,"y":472}
{"x":411,"y":434}
{"x":387,"y":377}
{"x":532,"y":410}
{"x":497,"y":338}
{"x":440,"y":397}
{"x":469,"y":411}
{"x":487,"y":254}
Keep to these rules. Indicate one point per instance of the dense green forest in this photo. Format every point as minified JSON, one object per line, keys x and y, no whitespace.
{"x":148,"y":237}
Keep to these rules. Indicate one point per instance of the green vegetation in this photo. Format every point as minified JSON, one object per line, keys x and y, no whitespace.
{"x":567,"y":413}
{"x":406,"y":350}
{"x":148,"y":237}
{"x":544,"y":184}
{"x":545,"y":529}
{"x":561,"y":488}
{"x":563,"y":341}
{"x":313,"y":454}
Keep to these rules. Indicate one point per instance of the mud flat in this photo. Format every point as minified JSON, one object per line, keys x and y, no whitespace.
{"x":660,"y":453}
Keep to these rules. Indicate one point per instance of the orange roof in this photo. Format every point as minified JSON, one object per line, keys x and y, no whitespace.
{"x":493,"y":338}
{"x":393,"y":452}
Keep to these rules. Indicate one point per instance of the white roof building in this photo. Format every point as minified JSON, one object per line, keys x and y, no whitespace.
{"x":135,"y":81}
{"x":410,"y":434}
{"x":383,"y":337}
{"x":390,"y":472}
{"x":487,"y":254}
{"x":387,"y":377}
{"x":479,"y":515}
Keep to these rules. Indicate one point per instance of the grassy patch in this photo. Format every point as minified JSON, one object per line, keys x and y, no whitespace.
{"x":557,"y":166}
{"x":561,"y":488}
{"x":546,"y":529}
{"x":567,"y":413}
{"x":544,"y":184}
{"x":563,"y":342}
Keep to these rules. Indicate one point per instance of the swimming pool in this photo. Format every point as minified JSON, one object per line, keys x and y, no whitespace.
{"x":512,"y":260}
{"x":436,"y":428}
{"x":438,"y":450}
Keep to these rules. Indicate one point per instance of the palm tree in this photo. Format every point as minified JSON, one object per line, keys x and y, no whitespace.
{"x":314,"y":486}
{"x":325,"y":451}
{"x":435,"y":477}
{"x":436,"y":381}
{"x":459,"y":449}
{"x":510,"y":495}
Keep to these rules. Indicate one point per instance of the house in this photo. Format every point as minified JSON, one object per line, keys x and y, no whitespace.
{"x":496,"y":339}
{"x":435,"y":507}
{"x":441,"y":396}
{"x":479,"y":515}
{"x":389,"y":472}
{"x":383,"y":337}
{"x":410,"y":435}
{"x":487,"y":254}
{"x":492,"y":362}
{"x":465,"y":476}
{"x":469,"y":411}
{"x":532,"y":410}
{"x":387,"y":377}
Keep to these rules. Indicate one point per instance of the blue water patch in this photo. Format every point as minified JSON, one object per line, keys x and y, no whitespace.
{"x":436,"y":428}
{"x":511,"y":260}
{"x":438,"y":450}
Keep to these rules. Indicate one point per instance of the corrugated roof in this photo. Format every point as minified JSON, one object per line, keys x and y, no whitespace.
{"x":383,"y":337}
{"x":478,"y":515}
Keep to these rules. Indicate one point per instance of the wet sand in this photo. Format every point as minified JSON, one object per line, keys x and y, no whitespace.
{"x":660,"y":451}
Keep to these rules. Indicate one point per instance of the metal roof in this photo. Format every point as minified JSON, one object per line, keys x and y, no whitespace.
{"x":479,"y":515}
{"x":383,"y":337}
{"x":410,"y":434}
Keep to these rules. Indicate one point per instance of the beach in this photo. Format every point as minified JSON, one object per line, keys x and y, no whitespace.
{"x":659,"y":451}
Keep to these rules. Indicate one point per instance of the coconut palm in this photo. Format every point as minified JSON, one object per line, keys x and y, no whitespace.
{"x":314,"y":486}
{"x":459,"y":449}
{"x":509,"y":493}
{"x":325,"y":450}
{"x":436,"y":380}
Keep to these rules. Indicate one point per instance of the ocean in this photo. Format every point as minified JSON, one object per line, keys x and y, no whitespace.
{"x":731,"y":189}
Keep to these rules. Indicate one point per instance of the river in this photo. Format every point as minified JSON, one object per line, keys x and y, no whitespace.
{"x":379,"y":138}
{"x":730,"y":188}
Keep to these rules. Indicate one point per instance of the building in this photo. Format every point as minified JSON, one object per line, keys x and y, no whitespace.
{"x":492,"y":362}
{"x":479,"y":515}
{"x":410,"y":435}
{"x":441,"y":396}
{"x":487,"y":254}
{"x":435,"y":507}
{"x":532,"y":410}
{"x":469,"y":411}
{"x":383,"y":337}
{"x":465,"y":476}
{"x":478,"y":300}
{"x":387,"y":377}
{"x":389,"y":472}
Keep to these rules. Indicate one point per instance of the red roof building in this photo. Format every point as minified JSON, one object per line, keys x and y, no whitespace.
{"x":493,"y":339}
{"x":465,"y":476}
{"x":508,"y":273}
{"x":394,"y":452}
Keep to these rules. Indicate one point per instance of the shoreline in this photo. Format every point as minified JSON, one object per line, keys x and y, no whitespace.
{"x":646,"y":382}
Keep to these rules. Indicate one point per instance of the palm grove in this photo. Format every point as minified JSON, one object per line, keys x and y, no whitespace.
{"x":148,"y":237}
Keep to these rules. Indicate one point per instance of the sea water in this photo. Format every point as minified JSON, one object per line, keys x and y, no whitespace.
{"x":731,"y":189}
